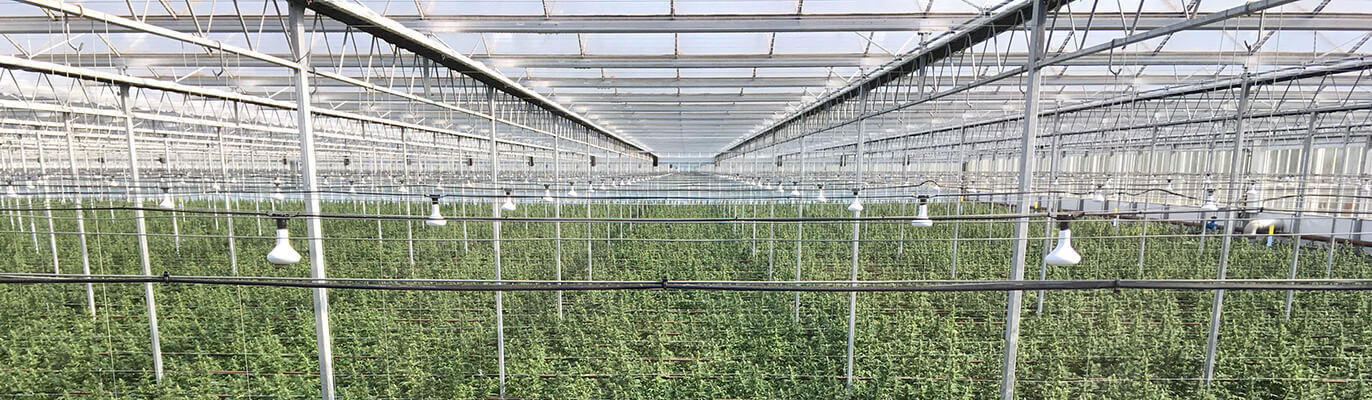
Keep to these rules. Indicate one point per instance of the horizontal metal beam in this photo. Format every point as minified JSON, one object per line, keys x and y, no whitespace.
{"x":541,"y":24}
{"x":364,"y":19}
{"x":283,"y":81}
{"x":837,"y":60}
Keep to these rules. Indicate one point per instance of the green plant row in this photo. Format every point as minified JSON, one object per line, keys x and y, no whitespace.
{"x":243,"y":342}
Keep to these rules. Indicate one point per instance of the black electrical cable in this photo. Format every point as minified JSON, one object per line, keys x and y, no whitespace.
{"x":665,"y":284}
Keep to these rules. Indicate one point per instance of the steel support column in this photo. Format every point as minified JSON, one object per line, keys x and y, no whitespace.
{"x":1026,"y":183}
{"x":314,"y":231}
{"x":1217,"y":308}
{"x":140,"y":223}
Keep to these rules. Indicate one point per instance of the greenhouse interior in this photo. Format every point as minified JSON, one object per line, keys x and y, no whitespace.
{"x":686,"y":199}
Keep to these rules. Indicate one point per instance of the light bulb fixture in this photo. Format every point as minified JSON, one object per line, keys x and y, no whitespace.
{"x":1209,"y":204}
{"x":276,"y":193}
{"x":283,"y":254}
{"x":922,"y":217}
{"x":167,"y":202}
{"x":509,"y":204}
{"x":1169,"y":185}
{"x":795,"y":189}
{"x":435,"y":218}
{"x":11,"y":192}
{"x":1063,"y":254}
{"x":547,"y":193}
{"x":590,"y":187}
{"x":821,"y":198}
{"x":571,"y":189}
{"x":856,"y":205}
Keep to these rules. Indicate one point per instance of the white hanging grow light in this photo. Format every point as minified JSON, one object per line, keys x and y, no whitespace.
{"x":547,"y":193}
{"x":1063,"y":254}
{"x":1209,"y":204}
{"x":276,"y":192}
{"x":435,"y":218}
{"x":509,"y":204}
{"x":856,"y":205}
{"x":571,"y":189}
{"x":1253,"y":196}
{"x":283,"y":254}
{"x":821,"y":197}
{"x":166,"y":202}
{"x":922,"y":217}
{"x":795,"y":189}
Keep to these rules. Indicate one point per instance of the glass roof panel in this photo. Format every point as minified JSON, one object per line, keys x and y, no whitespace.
{"x":609,"y":7}
{"x":532,"y":43}
{"x":629,"y":44}
{"x":466,"y":7}
{"x":735,"y":7}
{"x":724,"y":43}
{"x":863,"y":7}
{"x":640,"y":72}
{"x":818,"y":43}
{"x":717,"y":73}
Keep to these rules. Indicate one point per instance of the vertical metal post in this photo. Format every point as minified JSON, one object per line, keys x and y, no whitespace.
{"x":80,"y":216}
{"x":126,"y":103}
{"x":1338,"y":203}
{"x":28,"y":199}
{"x":47,"y":202}
{"x":905,"y":179}
{"x":590,"y":188}
{"x":557,"y":209}
{"x":405,"y":190}
{"x":1143,"y":234}
{"x":962,"y":190}
{"x":1026,"y":184}
{"x":800,"y":228}
{"x":1306,"y":160}
{"x":314,"y":228}
{"x":1217,"y":307}
{"x":1052,"y":205}
{"x":166,"y":166}
{"x":857,"y":227}
{"x":228,"y":206}
{"x":495,"y":243}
